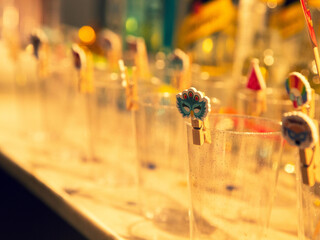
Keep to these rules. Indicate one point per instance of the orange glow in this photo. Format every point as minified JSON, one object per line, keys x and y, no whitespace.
{"x":87,"y":35}
{"x":10,"y":17}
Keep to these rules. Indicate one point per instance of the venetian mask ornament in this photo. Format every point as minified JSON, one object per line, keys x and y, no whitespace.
{"x":299,"y":130}
{"x":298,"y":89}
{"x":193,"y":103}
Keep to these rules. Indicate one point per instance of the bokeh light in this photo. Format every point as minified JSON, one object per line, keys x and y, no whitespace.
{"x":87,"y":35}
{"x":207,"y":45}
{"x":131,"y":24}
{"x":289,"y":168}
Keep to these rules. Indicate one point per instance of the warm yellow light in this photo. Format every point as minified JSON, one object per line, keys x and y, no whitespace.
{"x":289,"y":168}
{"x":207,"y":45}
{"x":131,"y":24}
{"x":87,"y":35}
{"x":317,"y":202}
{"x":29,"y":49}
{"x":155,"y":40}
{"x":10,"y":17}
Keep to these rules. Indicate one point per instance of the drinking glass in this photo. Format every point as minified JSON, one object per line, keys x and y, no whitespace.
{"x":28,"y":98}
{"x":162,"y":156}
{"x":232,"y":180}
{"x":162,"y":153}
{"x":112,"y":131}
{"x":8,"y":120}
{"x":308,"y":208}
{"x":65,"y":114}
{"x":277,"y":101}
{"x":221,"y":88}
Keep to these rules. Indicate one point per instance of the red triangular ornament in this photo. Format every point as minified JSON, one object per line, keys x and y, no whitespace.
{"x":255,"y":78}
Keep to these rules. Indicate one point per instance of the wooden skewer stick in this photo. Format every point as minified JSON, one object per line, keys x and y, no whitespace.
{"x":317,"y":59}
{"x":309,"y":157}
{"x":312,"y":35}
{"x":130,"y":83}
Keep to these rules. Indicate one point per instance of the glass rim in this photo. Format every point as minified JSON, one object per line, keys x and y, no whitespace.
{"x":107,"y":76}
{"x":243,"y":94}
{"x":241,"y":116}
{"x":142,"y":99}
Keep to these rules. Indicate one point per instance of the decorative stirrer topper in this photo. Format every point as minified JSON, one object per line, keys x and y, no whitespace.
{"x":84,"y":64}
{"x":36,"y":43}
{"x":138,"y":51}
{"x":299,"y":128}
{"x":256,"y":84}
{"x":256,"y":81}
{"x":192,"y":103}
{"x":298,"y":89}
{"x":39,"y":43}
{"x":37,"y":39}
{"x":79,"y":57}
{"x":179,"y":63}
{"x":111,"y":43}
{"x":312,"y":35}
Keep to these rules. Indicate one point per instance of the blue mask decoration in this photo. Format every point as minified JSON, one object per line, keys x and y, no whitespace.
{"x":299,"y":130}
{"x":193,"y":101}
{"x":297,"y":137}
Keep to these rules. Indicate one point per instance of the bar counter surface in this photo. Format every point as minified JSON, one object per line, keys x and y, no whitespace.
{"x":104,"y":213}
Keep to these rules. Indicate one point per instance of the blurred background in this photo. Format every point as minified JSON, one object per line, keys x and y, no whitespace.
{"x":221,"y":35}
{"x":164,"y":24}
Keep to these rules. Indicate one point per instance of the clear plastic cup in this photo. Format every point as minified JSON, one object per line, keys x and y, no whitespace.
{"x":162,"y":157}
{"x":308,"y":208}
{"x":233,"y":179}
{"x":162,"y":154}
{"x":277,"y":102}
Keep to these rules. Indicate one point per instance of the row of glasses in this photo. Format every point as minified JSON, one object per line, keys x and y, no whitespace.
{"x":225,"y":196}
{"x":51,"y":111}
{"x":100,"y":129}
{"x":161,"y":154}
{"x":307,"y":220}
